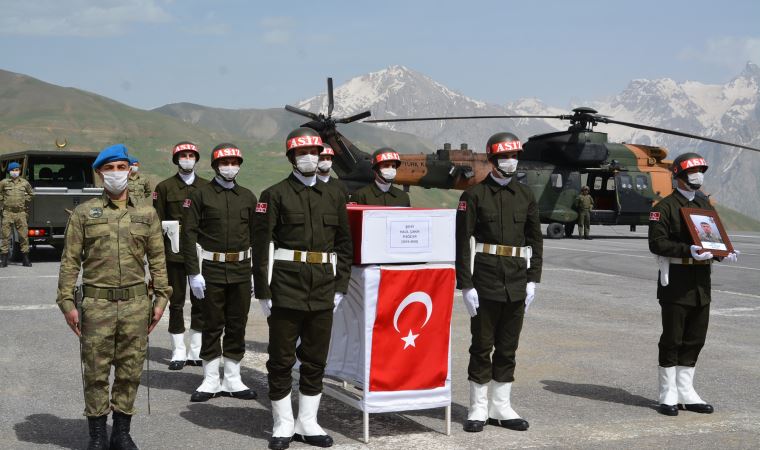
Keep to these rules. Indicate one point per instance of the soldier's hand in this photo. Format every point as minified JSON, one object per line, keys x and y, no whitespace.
{"x":338,"y":298}
{"x":700,"y":256}
{"x":266,"y":306}
{"x":157,"y":313}
{"x":471,"y":302}
{"x":732,"y":257}
{"x":72,"y":319}
{"x":530,"y":294}
{"x":197,"y":285}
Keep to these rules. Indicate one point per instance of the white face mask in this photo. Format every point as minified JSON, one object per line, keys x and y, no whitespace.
{"x":134,"y":169}
{"x":187,"y":164}
{"x":15,"y":173}
{"x":307,"y":163}
{"x":695,"y":180}
{"x":324,"y":166}
{"x":507,"y":166}
{"x":115,"y":181}
{"x":388,"y":174}
{"x":229,"y":172}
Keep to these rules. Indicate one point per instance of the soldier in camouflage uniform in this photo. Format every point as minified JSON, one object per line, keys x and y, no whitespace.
{"x":110,"y":237}
{"x":139,"y":187}
{"x":584,"y":203}
{"x":382,"y":192}
{"x":683,"y":288}
{"x":15,"y":197}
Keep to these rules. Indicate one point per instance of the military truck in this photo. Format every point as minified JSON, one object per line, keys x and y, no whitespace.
{"x":61,"y":180}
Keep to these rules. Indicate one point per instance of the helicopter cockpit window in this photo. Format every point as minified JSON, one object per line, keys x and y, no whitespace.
{"x":641,"y":182}
{"x":625,"y":182}
{"x":597,"y":183}
{"x":611,"y":184}
{"x":556,"y":180}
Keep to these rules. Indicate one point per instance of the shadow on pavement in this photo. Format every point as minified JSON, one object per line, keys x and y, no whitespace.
{"x":180,"y":380}
{"x":243,"y":420}
{"x":599,"y":393}
{"x":47,"y":429}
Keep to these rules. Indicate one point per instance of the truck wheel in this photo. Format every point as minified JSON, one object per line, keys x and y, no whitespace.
{"x":555,"y":230}
{"x":569,"y":228}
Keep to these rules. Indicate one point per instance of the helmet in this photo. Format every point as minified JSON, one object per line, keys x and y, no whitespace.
{"x":327,"y":150}
{"x":687,"y":161}
{"x":501,"y":143}
{"x":584,"y":188}
{"x":225,"y":150}
{"x":385,"y":154}
{"x":183,"y":147}
{"x":303,"y":137}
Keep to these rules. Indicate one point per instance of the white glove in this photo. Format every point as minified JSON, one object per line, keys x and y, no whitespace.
{"x":338,"y":298}
{"x":732,"y":257}
{"x":197,"y":285}
{"x":471,"y":302}
{"x":266,"y":306}
{"x":530,"y":293}
{"x":700,"y":257}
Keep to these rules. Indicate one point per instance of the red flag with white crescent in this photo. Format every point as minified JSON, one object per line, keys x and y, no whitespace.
{"x":410,"y":338}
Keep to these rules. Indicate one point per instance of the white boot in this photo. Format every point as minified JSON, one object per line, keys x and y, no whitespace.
{"x":499,"y":404}
{"x":178,"y":347}
{"x":685,"y":383}
{"x":478,"y":402}
{"x":211,"y":376}
{"x":282,"y":413}
{"x":194,"y":352}
{"x":232,"y":381}
{"x":306,"y":424}
{"x":668,"y":392}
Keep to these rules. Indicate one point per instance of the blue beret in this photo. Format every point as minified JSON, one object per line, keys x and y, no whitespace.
{"x":117,"y":152}
{"x":133,"y":160}
{"x":13,"y":165}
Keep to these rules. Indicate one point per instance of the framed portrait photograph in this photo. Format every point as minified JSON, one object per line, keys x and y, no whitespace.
{"x":707,"y":231}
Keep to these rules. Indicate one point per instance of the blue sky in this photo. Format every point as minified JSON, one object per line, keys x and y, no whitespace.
{"x":237,"y":53}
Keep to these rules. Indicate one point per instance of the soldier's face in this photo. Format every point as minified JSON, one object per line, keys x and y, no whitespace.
{"x":325,"y":158}
{"x":306,"y":151}
{"x":387,"y":165}
{"x":115,"y":166}
{"x":186,"y":154}
{"x":226,"y":162}
{"x":706,"y":228}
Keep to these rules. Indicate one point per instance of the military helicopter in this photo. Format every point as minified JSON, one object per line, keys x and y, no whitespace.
{"x":625,"y":180}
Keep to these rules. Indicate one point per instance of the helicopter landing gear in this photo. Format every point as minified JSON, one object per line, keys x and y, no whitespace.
{"x":555,"y":230}
{"x":569,"y":228}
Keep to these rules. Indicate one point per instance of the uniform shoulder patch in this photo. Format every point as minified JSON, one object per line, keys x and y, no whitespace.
{"x":462,"y":206}
{"x":654,"y":216}
{"x":96,"y":212}
{"x":261,"y":207}
{"x":187,"y":203}
{"x":154,"y":195}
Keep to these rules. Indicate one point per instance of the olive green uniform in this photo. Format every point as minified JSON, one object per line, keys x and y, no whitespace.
{"x":138,"y":186}
{"x":373,"y":195}
{"x":168,"y":198}
{"x":294,"y":216}
{"x":502,"y":215}
{"x":584,"y":203}
{"x":220,"y":220}
{"x":15,"y":196}
{"x":110,"y":244}
{"x":338,"y":185}
{"x":685,"y":301}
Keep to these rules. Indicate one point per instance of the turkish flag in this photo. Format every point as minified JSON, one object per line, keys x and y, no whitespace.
{"x":410,"y":336}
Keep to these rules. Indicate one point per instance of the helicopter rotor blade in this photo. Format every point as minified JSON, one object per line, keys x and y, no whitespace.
{"x":355,"y":117}
{"x":423,"y":119}
{"x":673,"y":132}
{"x":330,"y":102}
{"x":302,"y":112}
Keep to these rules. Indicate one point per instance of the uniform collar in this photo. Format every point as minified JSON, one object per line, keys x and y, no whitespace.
{"x":219,"y":188}
{"x":495,"y":186}
{"x":191,"y":177}
{"x":379,"y":192}
{"x":324,"y":178}
{"x":688,"y":195}
{"x":298,"y":185}
{"x":107,"y":202}
{"x":306,"y":181}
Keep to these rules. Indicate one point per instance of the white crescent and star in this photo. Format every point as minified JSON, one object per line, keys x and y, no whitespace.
{"x":414,"y":297}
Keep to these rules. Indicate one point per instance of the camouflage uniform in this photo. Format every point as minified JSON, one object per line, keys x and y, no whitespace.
{"x":139,"y":187}
{"x":15,"y":197}
{"x":584,"y":203}
{"x":111,"y":244}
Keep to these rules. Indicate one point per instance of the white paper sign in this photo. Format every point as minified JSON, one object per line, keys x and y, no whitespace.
{"x":409,"y":235}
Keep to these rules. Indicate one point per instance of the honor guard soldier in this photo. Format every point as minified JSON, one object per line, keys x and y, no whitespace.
{"x":301,"y":269}
{"x":169,"y":197}
{"x":323,"y":171}
{"x":683,"y":289}
{"x":385,"y":162}
{"x":584,"y":203}
{"x":139,"y":187}
{"x":219,"y":217}
{"x":110,"y":237}
{"x":498,"y":261}
{"x":15,"y":197}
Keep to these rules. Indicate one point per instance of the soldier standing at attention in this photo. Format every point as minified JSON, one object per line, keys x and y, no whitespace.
{"x":584,"y":203}
{"x":323,"y":171}
{"x":683,"y":288}
{"x":499,"y":251}
{"x":169,"y":197}
{"x":301,"y":268}
{"x":109,"y":237}
{"x":385,"y":162}
{"x":219,"y":217}
{"x":139,"y":187}
{"x":15,"y":196}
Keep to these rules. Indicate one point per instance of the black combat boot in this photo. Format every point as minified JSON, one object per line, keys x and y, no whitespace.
{"x":4,"y":260}
{"x":25,"y":260}
{"x":98,"y":433}
{"x":120,"y":438}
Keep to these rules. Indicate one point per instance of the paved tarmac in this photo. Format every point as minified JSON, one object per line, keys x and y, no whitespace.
{"x":586,"y":374}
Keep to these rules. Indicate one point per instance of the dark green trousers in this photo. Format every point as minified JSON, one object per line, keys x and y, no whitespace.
{"x":286,"y":326}
{"x":178,"y":282}
{"x":584,"y":222}
{"x":225,"y":312}
{"x":496,"y":328}
{"x":684,"y":329}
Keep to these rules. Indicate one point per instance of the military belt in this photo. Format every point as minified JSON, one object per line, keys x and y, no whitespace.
{"x":303,"y":256}
{"x":689,"y":262}
{"x":14,"y":209}
{"x":116,"y":294}
{"x":504,"y":250}
{"x":226,"y":257}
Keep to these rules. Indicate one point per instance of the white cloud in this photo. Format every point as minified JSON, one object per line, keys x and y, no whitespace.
{"x":277,"y":30}
{"x":726,"y":51}
{"x":78,"y":17}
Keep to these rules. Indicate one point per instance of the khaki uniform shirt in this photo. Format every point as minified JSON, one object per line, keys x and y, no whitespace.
{"x":584,"y":202}
{"x":15,"y":194}
{"x":138,"y":186}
